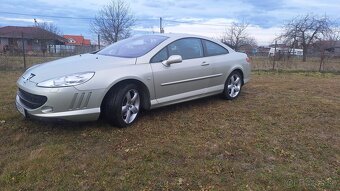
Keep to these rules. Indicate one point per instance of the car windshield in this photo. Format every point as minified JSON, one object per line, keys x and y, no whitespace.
{"x":133,"y":47}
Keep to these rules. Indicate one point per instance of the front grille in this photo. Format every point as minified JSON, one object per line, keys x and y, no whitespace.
{"x":31,"y":101}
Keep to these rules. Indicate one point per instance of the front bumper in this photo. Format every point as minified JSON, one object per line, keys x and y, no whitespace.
{"x":67,"y":103}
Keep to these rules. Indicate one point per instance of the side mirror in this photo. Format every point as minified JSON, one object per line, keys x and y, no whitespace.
{"x":172,"y":60}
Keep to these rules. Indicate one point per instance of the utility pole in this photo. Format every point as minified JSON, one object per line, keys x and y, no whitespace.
{"x":23,"y":49}
{"x":161,"y":29}
{"x":98,"y":41}
{"x":274,"y":55}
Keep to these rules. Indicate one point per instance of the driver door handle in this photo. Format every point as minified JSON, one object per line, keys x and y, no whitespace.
{"x":205,"y":64}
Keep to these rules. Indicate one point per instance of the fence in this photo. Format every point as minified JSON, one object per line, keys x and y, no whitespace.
{"x":281,"y":60}
{"x":14,"y":59}
{"x":20,"y":58}
{"x":295,"y":63}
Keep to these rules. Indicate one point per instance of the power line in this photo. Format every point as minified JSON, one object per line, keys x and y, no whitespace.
{"x":196,"y":23}
{"x":140,"y":19}
{"x":47,"y":16}
{"x":92,"y":18}
{"x":64,"y":17}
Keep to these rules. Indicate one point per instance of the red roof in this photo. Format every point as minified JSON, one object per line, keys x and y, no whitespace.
{"x":77,"y":40}
{"x":87,"y":42}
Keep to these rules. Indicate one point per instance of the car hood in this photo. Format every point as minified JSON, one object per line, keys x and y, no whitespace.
{"x":76,"y":64}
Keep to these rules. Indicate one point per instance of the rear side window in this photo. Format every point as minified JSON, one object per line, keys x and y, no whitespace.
{"x":160,"y":56}
{"x":213,"y":49}
{"x":188,"y":48}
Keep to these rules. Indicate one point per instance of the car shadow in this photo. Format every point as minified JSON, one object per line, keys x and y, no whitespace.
{"x":62,"y":125}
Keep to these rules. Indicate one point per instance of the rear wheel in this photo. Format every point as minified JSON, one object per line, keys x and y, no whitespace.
{"x":122,"y":105}
{"x":233,"y":85}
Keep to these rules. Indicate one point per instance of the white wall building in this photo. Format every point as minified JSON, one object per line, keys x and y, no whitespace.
{"x":291,"y":51}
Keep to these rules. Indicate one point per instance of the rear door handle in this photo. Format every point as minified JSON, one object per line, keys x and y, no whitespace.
{"x":205,"y":64}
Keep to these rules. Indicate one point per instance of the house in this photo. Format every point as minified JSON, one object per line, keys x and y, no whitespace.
{"x":75,"y":44}
{"x":262,"y":51}
{"x":34,"y":39}
{"x":285,"y":51}
{"x":76,"y":40}
{"x":248,"y":49}
{"x":278,"y":45}
{"x":333,"y":47}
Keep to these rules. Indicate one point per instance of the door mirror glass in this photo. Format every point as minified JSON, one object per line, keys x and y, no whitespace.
{"x":172,"y":60}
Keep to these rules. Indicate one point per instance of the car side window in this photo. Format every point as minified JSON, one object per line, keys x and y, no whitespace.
{"x":160,"y":56}
{"x":188,"y":48}
{"x":213,"y":49}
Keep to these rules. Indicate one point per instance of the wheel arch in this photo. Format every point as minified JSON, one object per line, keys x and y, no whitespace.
{"x":241,"y":72}
{"x":145,"y":93}
{"x":238,"y":69}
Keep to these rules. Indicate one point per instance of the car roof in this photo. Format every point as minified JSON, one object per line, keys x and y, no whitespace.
{"x":181,"y":35}
{"x":176,"y":35}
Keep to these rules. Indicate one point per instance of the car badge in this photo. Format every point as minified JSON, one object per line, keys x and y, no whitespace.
{"x":29,"y":77}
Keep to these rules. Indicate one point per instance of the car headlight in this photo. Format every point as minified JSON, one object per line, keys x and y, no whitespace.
{"x":69,"y":80}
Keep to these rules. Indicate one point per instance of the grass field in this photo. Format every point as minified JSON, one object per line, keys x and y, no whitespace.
{"x":283,"y":133}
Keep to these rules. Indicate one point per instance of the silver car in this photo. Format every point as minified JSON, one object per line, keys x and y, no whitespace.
{"x":142,"y":72}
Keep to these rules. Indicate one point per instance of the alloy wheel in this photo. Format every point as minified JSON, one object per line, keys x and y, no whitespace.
{"x":234,"y":85}
{"x":130,"y":106}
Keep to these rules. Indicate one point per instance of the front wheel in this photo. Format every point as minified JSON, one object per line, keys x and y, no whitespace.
{"x":233,"y":85}
{"x":122,"y":105}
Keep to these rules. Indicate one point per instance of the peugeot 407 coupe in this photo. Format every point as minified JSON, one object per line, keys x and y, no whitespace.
{"x":142,"y":72}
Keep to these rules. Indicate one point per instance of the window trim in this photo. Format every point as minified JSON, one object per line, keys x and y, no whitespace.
{"x":206,"y":50}
{"x":167,"y":48}
{"x":167,"y":54}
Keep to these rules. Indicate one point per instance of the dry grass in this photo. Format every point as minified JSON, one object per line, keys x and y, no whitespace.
{"x":281,"y":134}
{"x":17,"y":62}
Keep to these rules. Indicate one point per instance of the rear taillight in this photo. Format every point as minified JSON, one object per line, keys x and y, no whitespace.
{"x":248,"y":60}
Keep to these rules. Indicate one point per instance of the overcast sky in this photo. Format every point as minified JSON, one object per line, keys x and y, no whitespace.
{"x":206,"y":17}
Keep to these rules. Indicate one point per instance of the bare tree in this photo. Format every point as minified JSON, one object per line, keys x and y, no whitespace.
{"x":45,"y":40}
{"x":114,"y":21}
{"x":305,"y":30}
{"x":49,"y":27}
{"x":236,"y":36}
{"x":325,"y":46}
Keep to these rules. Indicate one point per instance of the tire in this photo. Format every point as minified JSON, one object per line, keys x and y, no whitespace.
{"x":122,"y":105}
{"x":233,"y":86}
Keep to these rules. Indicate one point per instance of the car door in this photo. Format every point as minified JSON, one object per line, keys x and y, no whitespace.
{"x":178,"y":81}
{"x":220,"y":62}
